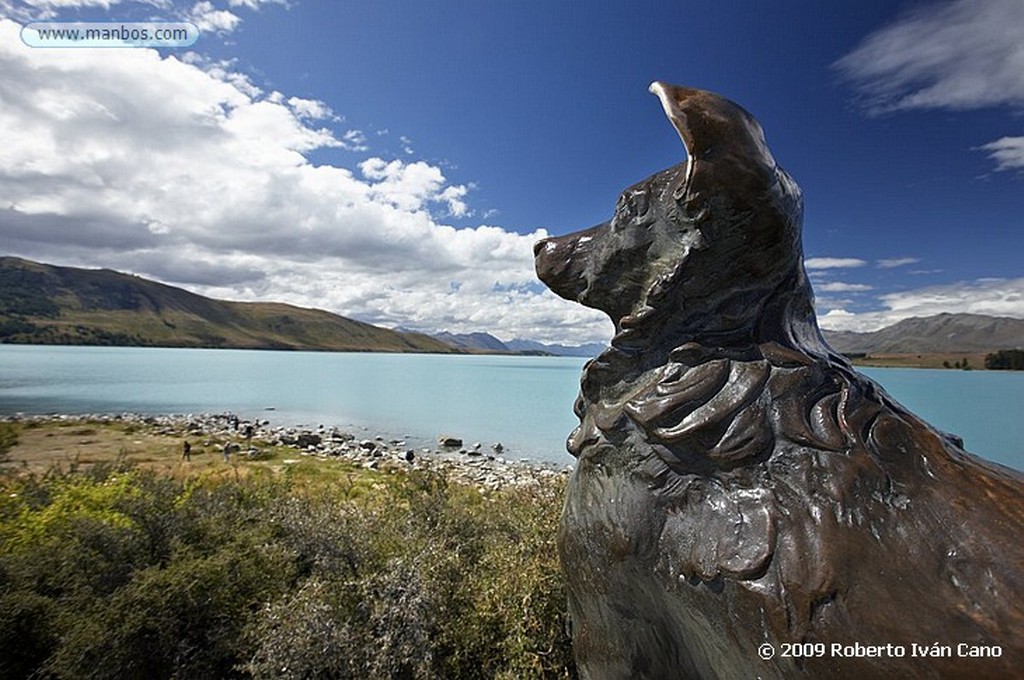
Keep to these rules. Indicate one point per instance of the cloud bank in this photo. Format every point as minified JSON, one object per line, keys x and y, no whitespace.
{"x":186,"y":171}
{"x":994,"y":297}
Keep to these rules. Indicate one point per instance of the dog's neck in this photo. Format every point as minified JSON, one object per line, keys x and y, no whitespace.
{"x":783,"y":318}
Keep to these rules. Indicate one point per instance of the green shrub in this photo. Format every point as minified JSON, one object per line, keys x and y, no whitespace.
{"x":8,"y":439}
{"x":27,"y":633}
{"x":369,"y":575}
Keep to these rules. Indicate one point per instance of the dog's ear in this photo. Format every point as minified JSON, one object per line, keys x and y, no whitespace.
{"x":714,"y":129}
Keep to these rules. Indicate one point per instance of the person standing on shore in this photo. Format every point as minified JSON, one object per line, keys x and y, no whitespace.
{"x":186,"y":451}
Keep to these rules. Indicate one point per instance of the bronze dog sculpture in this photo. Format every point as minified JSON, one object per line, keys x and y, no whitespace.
{"x":745,"y":504}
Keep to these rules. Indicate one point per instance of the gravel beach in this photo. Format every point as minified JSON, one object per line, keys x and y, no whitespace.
{"x":476,"y":463}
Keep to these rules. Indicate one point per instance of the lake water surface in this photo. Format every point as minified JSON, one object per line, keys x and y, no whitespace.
{"x":523,"y":402}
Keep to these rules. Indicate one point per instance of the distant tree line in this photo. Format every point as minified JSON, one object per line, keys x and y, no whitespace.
{"x":1005,"y":359}
{"x":20,"y":331}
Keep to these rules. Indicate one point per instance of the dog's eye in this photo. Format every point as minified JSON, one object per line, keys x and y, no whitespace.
{"x":631,"y":207}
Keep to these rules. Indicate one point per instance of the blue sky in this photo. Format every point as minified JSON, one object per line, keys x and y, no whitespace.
{"x":394,"y":160}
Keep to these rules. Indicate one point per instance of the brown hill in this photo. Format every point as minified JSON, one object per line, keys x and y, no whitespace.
{"x":46,"y":304}
{"x":939,"y":333}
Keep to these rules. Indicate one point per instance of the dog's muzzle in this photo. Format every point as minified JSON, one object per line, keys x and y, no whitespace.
{"x":560,"y":261}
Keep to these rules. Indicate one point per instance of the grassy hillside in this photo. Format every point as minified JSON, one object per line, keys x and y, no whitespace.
{"x":45,"y":304}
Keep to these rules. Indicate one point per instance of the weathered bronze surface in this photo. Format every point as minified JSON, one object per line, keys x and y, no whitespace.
{"x":738,"y":483}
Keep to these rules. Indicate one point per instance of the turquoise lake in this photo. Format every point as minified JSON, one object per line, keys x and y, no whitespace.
{"x":523,"y":402}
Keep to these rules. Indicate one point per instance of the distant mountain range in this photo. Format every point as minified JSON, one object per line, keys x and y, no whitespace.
{"x":590,"y":349}
{"x":939,"y":333}
{"x":472,"y":342}
{"x":485,"y":342}
{"x":47,"y":304}
{"x":942,"y":333}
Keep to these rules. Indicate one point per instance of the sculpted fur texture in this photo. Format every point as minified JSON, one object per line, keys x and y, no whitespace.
{"x":738,"y":483}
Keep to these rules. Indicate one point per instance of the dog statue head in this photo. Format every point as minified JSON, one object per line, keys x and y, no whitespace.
{"x":701,"y":271}
{"x":708,"y":251}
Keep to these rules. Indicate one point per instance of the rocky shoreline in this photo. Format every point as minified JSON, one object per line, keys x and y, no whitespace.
{"x":240,"y":439}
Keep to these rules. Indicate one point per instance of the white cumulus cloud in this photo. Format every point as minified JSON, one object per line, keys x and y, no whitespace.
{"x":207,"y":17}
{"x":37,"y":10}
{"x":354,"y":140}
{"x":310,"y":108}
{"x":185,"y":171}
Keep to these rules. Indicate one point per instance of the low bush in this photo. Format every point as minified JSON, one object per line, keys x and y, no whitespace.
{"x":123,"y":573}
{"x":8,"y":439}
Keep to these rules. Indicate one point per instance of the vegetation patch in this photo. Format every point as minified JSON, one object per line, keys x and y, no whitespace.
{"x":1005,"y":360}
{"x":114,"y":570}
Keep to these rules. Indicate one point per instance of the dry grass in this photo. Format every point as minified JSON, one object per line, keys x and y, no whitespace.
{"x":82,"y":444}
